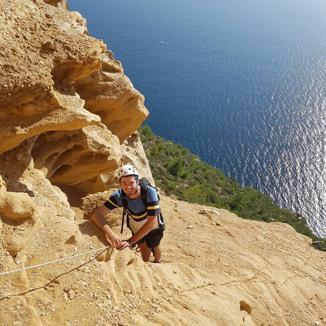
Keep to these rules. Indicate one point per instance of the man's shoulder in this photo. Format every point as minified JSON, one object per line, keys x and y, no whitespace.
{"x":117,"y":193}
{"x":152,"y":194}
{"x":114,"y":200}
{"x":151,"y":189}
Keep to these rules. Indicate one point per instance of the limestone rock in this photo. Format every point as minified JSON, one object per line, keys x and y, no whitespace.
{"x":16,"y":207}
{"x":111,"y":95}
{"x":245,"y":306}
{"x":73,"y":157}
{"x":68,"y":115}
{"x":133,"y":152}
{"x":99,"y":183}
{"x":57,"y":3}
{"x":57,"y":80}
{"x":42,"y":53}
{"x":2,"y":184}
{"x":14,"y":245}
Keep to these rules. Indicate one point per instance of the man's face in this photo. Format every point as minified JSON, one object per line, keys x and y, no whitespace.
{"x":129,"y":184}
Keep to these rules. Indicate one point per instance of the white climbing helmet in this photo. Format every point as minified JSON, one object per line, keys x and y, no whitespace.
{"x":127,"y":170}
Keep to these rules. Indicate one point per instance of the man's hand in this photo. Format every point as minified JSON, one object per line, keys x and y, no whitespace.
{"x":113,"y":239}
{"x":124,"y":245}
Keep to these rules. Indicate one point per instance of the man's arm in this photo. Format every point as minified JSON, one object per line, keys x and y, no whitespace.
{"x":144,"y":230}
{"x":98,"y":218}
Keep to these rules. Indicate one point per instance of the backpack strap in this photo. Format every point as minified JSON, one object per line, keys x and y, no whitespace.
{"x":143,"y":194}
{"x":125,"y":211}
{"x":143,"y":189}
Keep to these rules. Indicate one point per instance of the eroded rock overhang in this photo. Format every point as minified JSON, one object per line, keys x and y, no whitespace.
{"x":63,"y":92}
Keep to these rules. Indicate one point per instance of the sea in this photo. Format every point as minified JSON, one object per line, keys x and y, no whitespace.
{"x":242,"y":84}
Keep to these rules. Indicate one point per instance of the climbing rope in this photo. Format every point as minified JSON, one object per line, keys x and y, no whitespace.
{"x":56,"y":261}
{"x":44,"y":286}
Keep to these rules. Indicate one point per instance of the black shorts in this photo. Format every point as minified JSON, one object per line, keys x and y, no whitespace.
{"x":153,"y":238}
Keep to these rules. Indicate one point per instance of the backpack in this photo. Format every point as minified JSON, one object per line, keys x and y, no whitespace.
{"x":144,"y":184}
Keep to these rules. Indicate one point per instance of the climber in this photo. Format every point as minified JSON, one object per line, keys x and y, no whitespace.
{"x":141,"y":206}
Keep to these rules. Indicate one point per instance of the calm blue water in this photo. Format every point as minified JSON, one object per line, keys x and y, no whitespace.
{"x":240,"y":83}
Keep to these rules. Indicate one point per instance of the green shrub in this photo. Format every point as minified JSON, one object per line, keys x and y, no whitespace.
{"x":196,"y":194}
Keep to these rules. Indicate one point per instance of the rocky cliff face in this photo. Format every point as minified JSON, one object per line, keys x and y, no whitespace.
{"x":68,"y":117}
{"x":63,"y":92}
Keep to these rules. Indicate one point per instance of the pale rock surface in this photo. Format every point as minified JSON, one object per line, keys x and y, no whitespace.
{"x":57,"y":3}
{"x":75,"y":156}
{"x":42,"y":55}
{"x":221,"y":271}
{"x":15,"y":207}
{"x":108,"y":94}
{"x":133,"y":153}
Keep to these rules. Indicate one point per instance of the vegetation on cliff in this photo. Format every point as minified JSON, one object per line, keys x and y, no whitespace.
{"x":179,"y":172}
